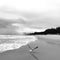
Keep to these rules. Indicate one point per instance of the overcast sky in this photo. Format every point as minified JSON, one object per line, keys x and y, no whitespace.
{"x":47,"y":11}
{"x":49,"y":7}
{"x":32,"y":5}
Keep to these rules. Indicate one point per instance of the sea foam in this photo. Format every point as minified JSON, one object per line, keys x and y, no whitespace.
{"x":15,"y":42}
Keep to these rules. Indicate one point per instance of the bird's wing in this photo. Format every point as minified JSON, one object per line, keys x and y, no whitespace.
{"x":29,"y":46}
{"x":34,"y":56}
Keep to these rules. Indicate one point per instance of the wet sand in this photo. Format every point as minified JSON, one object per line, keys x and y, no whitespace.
{"x":49,"y":49}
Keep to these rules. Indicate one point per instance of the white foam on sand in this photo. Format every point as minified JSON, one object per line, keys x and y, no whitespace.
{"x":16,"y":43}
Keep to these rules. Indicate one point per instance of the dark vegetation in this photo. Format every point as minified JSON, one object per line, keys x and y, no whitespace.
{"x":53,"y":31}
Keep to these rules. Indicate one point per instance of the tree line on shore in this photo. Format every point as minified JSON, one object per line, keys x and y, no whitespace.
{"x":53,"y":31}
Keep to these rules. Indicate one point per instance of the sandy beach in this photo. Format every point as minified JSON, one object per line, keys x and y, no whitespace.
{"x":49,"y":49}
{"x":28,"y":15}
